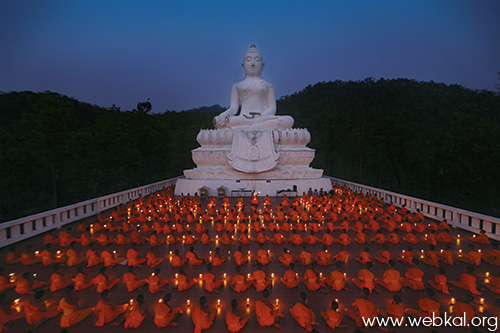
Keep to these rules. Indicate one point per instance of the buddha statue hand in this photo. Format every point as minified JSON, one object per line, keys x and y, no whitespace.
{"x":220,"y":120}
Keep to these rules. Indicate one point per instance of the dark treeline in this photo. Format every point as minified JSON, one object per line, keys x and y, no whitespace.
{"x":424,"y":139}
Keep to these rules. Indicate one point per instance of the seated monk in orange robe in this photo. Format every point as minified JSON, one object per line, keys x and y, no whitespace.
{"x":46,"y":256}
{"x":365,"y":278}
{"x":175,"y":259}
{"x":205,"y":239}
{"x":414,"y":277}
{"x":268,"y":314}
{"x":23,"y":285}
{"x":493,"y":257}
{"x":444,"y":237}
{"x":429,"y":239}
{"x":193,"y":257}
{"x":342,"y":256}
{"x":364,"y":256}
{"x":363,"y":308}
{"x":244,"y":239}
{"x":472,"y":257}
{"x":447,"y":255}
{"x":332,"y":317}
{"x":70,"y":316}
{"x":304,"y":258}
{"x":360,"y":238}
{"x":440,"y":281}
{"x":203,"y":317}
{"x":410,"y":238}
{"x":337,"y":279}
{"x":240,"y":283}
{"x":467,"y":281}
{"x":182,"y":281}
{"x":211,"y":285}
{"x":109,"y":259}
{"x":482,"y":238}
{"x":394,"y":309}
{"x":57,"y":280}
{"x":164,"y":315}
{"x":227,"y":240}
{"x":263,"y":257}
{"x":431,"y":257}
{"x":393,"y":238}
{"x":464,"y":310}
{"x":106,"y":310}
{"x":80,"y":280}
{"x":290,"y":279}
{"x":303,"y":315}
{"x":428,"y":306}
{"x":36,"y":311}
{"x":385,"y":255}
{"x":132,"y":258}
{"x":296,"y":239}
{"x":287,"y":258}
{"x":344,"y":239}
{"x":278,"y":238}
{"x":260,"y":280}
{"x":102,"y":281}
{"x":72,"y":258}
{"x":261,"y":238}
{"x":217,"y":258}
{"x":407,"y":256}
{"x":235,"y":320}
{"x":130,"y":280}
{"x":152,"y":259}
{"x":155,"y":283}
{"x":311,"y":239}
{"x":323,"y":257}
{"x":27,"y":257}
{"x":391,"y":280}
{"x":311,"y":280}
{"x":136,"y":312}
{"x":492,"y":283}
{"x":239,"y":257}
{"x":379,"y":238}
{"x":327,"y":239}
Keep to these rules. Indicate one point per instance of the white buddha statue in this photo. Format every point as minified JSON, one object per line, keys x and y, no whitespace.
{"x":257,"y":97}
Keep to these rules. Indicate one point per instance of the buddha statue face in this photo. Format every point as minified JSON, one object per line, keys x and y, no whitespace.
{"x":253,"y":63}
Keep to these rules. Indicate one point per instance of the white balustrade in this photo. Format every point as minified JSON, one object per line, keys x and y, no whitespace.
{"x":456,"y":217}
{"x":23,"y":228}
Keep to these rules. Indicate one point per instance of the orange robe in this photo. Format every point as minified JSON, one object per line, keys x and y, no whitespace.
{"x":366,"y":310}
{"x":323,"y":258}
{"x":240,"y":283}
{"x":342,"y":256}
{"x":106,"y":313}
{"x":263,"y":257}
{"x":259,"y":280}
{"x":192,"y":259}
{"x":80,"y":281}
{"x":303,"y":315}
{"x":290,"y":279}
{"x":201,"y":319}
{"x":155,"y":284}
{"x":392,"y":280}
{"x":414,"y":276}
{"x":305,"y":258}
{"x":286,"y":259}
{"x":92,"y":258}
{"x":365,"y":278}
{"x":164,"y":315}
{"x":333,"y":318}
{"x":57,"y":282}
{"x":265,"y":315}
{"x":209,"y":282}
{"x":311,"y":280}
{"x":134,"y":317}
{"x":440,"y":284}
{"x":132,"y":258}
{"x":183,"y":284}
{"x":234,"y":323}
{"x":69,"y":316}
{"x":33,"y":314}
{"x":464,"y":309}
{"x":177,"y":261}
{"x":101,"y":282}
{"x":130,"y":281}
{"x":336,"y":280}
{"x":239,"y":258}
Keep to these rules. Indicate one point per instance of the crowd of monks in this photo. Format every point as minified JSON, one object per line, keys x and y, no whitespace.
{"x":312,"y":232}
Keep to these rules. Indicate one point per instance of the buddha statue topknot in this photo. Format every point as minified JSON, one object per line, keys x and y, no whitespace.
{"x":257,"y":98}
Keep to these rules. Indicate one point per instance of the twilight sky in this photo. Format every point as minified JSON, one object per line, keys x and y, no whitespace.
{"x":186,"y":54}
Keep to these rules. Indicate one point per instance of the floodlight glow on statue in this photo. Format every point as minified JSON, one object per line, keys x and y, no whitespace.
{"x":257,"y":97}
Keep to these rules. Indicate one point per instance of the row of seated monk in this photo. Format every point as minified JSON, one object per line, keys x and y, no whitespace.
{"x":37,"y":311}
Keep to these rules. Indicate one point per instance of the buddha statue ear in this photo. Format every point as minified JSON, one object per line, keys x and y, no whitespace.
{"x":261,"y":76}
{"x":244,"y":74}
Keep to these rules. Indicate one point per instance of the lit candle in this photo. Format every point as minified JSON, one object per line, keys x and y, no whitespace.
{"x":225,"y":275}
{"x":487,"y":274}
{"x":188,"y":302}
{"x":320,"y":275}
{"x":248,"y":301}
{"x":248,"y":275}
{"x":272,"y":275}
{"x":218,"y":303}
{"x":481,"y":301}
{"x":452,"y":301}
{"x":277,"y":302}
{"x":160,"y":300}
{"x":131,"y":302}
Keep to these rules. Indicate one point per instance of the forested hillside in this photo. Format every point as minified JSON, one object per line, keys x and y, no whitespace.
{"x":424,"y":139}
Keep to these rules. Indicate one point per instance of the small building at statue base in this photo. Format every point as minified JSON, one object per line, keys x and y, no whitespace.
{"x":237,"y":162}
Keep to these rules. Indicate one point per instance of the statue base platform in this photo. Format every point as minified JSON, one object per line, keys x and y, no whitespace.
{"x":245,"y":187}
{"x":236,"y":162}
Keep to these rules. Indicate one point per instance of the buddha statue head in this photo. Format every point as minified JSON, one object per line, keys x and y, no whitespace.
{"x":253,"y":62}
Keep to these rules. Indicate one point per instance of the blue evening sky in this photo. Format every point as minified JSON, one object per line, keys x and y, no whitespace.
{"x":185,"y":54}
